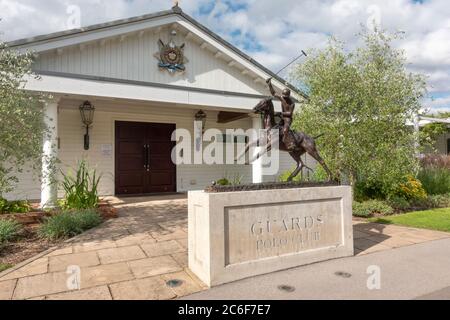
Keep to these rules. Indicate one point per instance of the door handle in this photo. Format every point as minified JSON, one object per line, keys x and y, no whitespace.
{"x":145,"y":157}
{"x":148,"y":157}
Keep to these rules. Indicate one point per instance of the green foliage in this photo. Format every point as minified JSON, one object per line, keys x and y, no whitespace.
{"x":439,"y":201}
{"x":432,"y":201}
{"x":4,"y":267}
{"x":14,"y":206}
{"x":369,"y":208}
{"x":399,"y":203}
{"x":361,"y":101}
{"x":285,"y":175}
{"x":223,"y":182}
{"x":319,"y":175}
{"x":432,"y":131}
{"x":435,"y":174}
{"x":237,"y":179}
{"x":408,"y":188}
{"x":69,"y":224}
{"x":81,"y":189}
{"x":368,"y":189}
{"x":9,"y":230}
{"x":435,"y":180}
{"x":3,"y":205}
{"x":22,"y":118}
{"x":234,"y":180}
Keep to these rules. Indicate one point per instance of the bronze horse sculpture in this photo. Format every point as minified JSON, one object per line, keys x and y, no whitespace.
{"x":303,"y":143}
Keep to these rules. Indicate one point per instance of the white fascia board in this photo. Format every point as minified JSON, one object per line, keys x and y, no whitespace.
{"x":436,"y":120}
{"x":96,"y":35}
{"x":102,"y":89}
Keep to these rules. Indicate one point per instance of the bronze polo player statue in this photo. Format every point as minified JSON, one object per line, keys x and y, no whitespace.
{"x":300,"y":142}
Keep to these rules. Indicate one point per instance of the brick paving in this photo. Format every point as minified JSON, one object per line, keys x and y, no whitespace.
{"x":134,"y":256}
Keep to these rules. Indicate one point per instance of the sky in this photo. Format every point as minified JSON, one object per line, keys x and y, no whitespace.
{"x":272,"y":32}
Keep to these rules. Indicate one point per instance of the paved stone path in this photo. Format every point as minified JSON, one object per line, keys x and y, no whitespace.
{"x":134,"y":256}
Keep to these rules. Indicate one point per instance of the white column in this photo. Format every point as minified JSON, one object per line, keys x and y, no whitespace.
{"x":257,"y":165}
{"x":49,"y":188}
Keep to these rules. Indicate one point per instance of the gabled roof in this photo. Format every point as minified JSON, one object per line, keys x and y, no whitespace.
{"x":176,"y":11}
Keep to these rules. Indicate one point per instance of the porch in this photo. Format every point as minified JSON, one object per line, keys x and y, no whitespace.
{"x":66,"y":143}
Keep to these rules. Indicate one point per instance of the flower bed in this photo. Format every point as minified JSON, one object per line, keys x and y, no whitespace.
{"x":29,"y":241}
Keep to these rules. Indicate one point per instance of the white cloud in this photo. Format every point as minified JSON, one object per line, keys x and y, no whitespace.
{"x":281,"y":28}
{"x":439,"y":104}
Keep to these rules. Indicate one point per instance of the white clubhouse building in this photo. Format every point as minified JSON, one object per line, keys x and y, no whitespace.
{"x":138,"y":101}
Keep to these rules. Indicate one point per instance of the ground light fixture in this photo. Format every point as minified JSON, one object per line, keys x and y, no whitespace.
{"x":87,"y":111}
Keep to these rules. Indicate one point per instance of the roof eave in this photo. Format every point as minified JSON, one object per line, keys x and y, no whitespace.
{"x":174,"y":11}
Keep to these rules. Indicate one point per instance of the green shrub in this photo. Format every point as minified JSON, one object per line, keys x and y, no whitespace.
{"x":14,"y":206}
{"x":87,"y":219}
{"x":369,"y":208}
{"x":439,"y":201}
{"x":233,"y":180}
{"x":433,"y":201}
{"x":3,"y":205}
{"x":237,"y":179}
{"x":365,"y":190}
{"x":435,"y":180}
{"x":399,"y":203}
{"x":223,"y":182}
{"x":69,"y":224}
{"x":9,"y":230}
{"x":81,"y":189}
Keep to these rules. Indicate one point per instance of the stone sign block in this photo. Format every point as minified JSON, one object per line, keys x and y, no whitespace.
{"x":237,"y":235}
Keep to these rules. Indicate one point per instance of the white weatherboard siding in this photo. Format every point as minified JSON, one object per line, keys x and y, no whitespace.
{"x":188,"y":177}
{"x":131,"y":58}
{"x":71,"y":131}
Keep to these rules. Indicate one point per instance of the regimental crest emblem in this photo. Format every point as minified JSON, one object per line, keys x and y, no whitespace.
{"x":170,"y":56}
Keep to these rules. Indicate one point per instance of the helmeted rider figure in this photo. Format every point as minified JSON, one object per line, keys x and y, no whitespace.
{"x":288,"y":107}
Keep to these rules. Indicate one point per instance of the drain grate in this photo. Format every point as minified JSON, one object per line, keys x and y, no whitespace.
{"x":343,"y":274}
{"x":174,"y":283}
{"x":286,"y":288}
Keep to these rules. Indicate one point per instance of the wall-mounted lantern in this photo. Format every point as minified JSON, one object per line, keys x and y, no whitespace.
{"x":87,"y":111}
{"x":201,"y":117}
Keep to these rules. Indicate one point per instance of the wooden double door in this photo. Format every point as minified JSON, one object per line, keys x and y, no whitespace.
{"x":143,"y":158}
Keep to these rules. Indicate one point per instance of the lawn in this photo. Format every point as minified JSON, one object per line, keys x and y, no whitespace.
{"x":437,"y":219}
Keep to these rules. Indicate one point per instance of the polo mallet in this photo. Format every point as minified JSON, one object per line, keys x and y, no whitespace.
{"x":290,"y":63}
{"x":249,"y":145}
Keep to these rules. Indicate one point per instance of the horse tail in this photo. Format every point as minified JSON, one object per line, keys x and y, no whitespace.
{"x":319,"y":136}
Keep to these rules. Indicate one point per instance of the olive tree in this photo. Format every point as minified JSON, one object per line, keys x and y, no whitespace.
{"x":363,"y":101}
{"x":21,"y":116}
